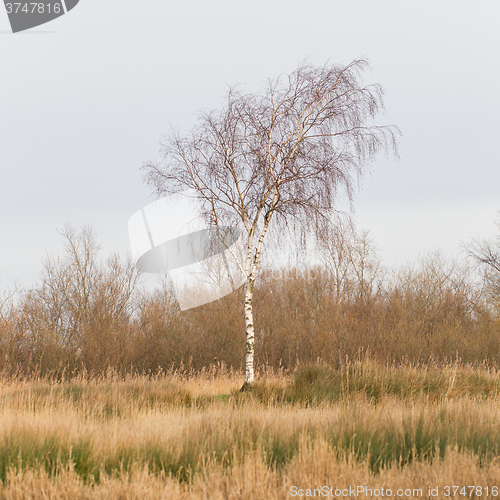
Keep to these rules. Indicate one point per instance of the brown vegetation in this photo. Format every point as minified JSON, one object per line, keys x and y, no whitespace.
{"x":89,"y":316}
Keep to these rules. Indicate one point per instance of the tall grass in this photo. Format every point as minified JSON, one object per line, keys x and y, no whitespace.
{"x":318,"y":383}
{"x":182,"y":428}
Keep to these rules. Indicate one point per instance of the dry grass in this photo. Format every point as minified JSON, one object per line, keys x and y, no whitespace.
{"x":314,"y":468}
{"x":196,"y":436}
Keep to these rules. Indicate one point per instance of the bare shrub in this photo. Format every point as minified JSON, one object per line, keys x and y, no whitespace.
{"x":79,"y":314}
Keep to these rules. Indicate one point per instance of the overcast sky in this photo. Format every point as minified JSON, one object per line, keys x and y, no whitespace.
{"x":85,"y":99}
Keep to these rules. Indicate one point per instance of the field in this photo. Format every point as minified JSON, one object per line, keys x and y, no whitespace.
{"x":372,"y":384}
{"x":194,"y":435}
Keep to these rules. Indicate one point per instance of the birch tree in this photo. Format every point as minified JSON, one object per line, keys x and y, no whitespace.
{"x":279,"y":154}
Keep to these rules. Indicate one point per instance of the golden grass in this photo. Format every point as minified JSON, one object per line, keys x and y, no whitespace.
{"x":194,"y":436}
{"x":254,"y":480}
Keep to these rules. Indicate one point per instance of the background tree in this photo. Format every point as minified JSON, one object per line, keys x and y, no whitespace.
{"x":81,"y":309}
{"x":283,"y":153}
{"x":355,"y":271}
{"x":486,"y":253}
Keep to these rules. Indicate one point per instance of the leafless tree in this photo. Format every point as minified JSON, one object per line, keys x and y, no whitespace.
{"x":351,"y":260}
{"x":82,"y":303}
{"x":279,"y":154}
{"x":486,"y":253}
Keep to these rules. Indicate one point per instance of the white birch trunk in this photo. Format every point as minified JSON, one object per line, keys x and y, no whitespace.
{"x":252,"y":265}
{"x":250,"y":334}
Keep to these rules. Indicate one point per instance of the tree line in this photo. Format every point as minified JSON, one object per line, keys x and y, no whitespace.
{"x":90,"y":315}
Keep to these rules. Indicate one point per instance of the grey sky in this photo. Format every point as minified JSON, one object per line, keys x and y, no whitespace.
{"x":85,"y":99}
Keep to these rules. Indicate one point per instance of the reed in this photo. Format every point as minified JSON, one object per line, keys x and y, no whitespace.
{"x":194,"y":435}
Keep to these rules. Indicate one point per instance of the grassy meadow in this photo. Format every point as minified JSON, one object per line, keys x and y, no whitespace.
{"x":194,"y":435}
